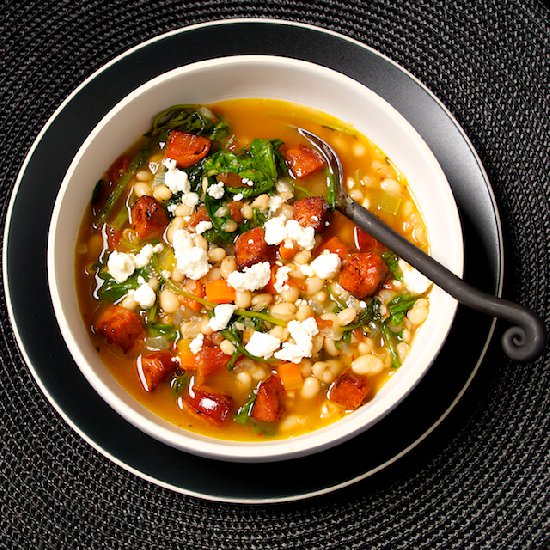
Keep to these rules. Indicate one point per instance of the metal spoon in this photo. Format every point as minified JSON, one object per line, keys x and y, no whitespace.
{"x":523,"y":341}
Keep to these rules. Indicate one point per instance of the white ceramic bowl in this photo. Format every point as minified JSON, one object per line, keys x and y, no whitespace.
{"x":240,"y":77}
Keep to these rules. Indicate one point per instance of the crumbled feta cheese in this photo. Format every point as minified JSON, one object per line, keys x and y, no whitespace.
{"x":306,"y":269}
{"x":248,"y":182}
{"x":275,"y":202}
{"x":238,"y":197}
{"x":190,"y":199}
{"x":144,"y":295}
{"x":143,"y":257}
{"x":275,"y":230}
{"x":302,"y":334}
{"x":120,"y":266}
{"x":203,"y":226}
{"x":326,"y":265}
{"x":172,"y":208}
{"x":413,"y":279}
{"x":216,"y":190}
{"x":191,"y":259}
{"x":176,"y":180}
{"x":262,"y":344}
{"x":304,"y":236}
{"x":196,"y":344}
{"x":251,"y":278}
{"x":166,"y":274}
{"x":362,"y":304}
{"x":283,"y":187}
{"x":222,"y":315}
{"x":278,"y":229}
{"x":281,"y":277}
{"x":169,"y":164}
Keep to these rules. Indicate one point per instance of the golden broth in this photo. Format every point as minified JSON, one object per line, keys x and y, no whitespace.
{"x":366,"y":168}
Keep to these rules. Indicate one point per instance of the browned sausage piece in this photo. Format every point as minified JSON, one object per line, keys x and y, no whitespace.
{"x":154,"y":367}
{"x":313,"y":212}
{"x":119,"y":326}
{"x":349,"y":390}
{"x":209,"y":405}
{"x":149,"y":218}
{"x":251,"y":248}
{"x":363,"y":274}
{"x":270,"y":400}
{"x":201,"y":215}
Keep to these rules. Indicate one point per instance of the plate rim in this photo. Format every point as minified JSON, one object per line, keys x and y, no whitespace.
{"x":152,"y":479}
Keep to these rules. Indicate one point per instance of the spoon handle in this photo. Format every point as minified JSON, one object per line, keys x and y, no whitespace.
{"x":523,"y":341}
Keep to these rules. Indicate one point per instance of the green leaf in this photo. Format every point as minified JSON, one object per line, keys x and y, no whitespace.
{"x":170,"y":332}
{"x":399,"y":306}
{"x":370,"y":314}
{"x":392,"y":261}
{"x":390,"y":341}
{"x":257,"y":164}
{"x":188,"y":118}
{"x":179,"y":383}
{"x":242,"y":416}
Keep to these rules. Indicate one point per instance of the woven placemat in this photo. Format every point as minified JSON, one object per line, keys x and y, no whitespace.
{"x":479,"y":481}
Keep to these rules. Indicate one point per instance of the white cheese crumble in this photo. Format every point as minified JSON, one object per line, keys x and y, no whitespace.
{"x":281,"y":277}
{"x":250,"y":278}
{"x":278,"y":229}
{"x":203,"y":226}
{"x":306,"y":269}
{"x":275,"y":202}
{"x":190,"y":199}
{"x":120,"y":265}
{"x":238,"y":197}
{"x":262,"y":344}
{"x":144,"y":295}
{"x":176,"y":180}
{"x":143,"y":257}
{"x":413,"y":279}
{"x":302,"y":334}
{"x":196,"y":344}
{"x":216,"y":190}
{"x":222,"y":315}
{"x":326,"y":265}
{"x":191,"y":259}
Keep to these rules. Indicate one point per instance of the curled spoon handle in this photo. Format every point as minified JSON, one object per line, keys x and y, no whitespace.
{"x":523,"y":341}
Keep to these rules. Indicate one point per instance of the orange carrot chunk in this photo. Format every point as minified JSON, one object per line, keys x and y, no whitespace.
{"x":290,"y":376}
{"x":336,"y":246}
{"x":219,"y":292}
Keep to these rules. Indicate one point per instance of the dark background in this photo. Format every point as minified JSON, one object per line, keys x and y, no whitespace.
{"x":480,"y":480}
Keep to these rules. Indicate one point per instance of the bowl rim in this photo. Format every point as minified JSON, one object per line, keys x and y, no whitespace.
{"x":210,"y":447}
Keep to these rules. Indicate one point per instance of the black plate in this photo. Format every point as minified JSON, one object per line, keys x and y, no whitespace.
{"x":74,"y":398}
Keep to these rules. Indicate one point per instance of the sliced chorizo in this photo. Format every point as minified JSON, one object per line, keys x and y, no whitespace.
{"x":349,"y":390}
{"x":251,"y":248}
{"x":270,"y":400}
{"x":154,"y":367}
{"x":209,"y":405}
{"x":363,"y":274}
{"x":312,"y":212}
{"x":149,"y":218}
{"x":119,"y":326}
{"x":187,"y":149}
{"x":235,"y":208}
{"x":303,"y":161}
{"x":200,"y":215}
{"x":208,"y":361}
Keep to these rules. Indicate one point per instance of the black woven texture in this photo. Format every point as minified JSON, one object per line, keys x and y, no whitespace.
{"x":480,"y":480}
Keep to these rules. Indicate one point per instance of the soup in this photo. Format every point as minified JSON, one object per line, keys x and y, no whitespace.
{"x":223,"y":290}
